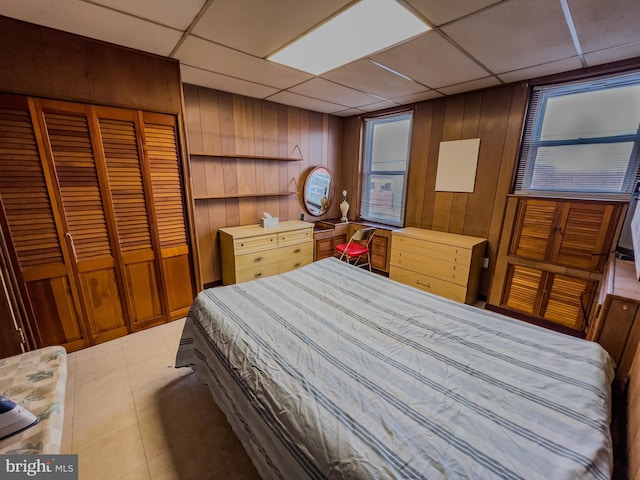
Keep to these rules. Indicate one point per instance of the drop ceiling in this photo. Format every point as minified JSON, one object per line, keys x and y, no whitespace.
{"x":223,"y":44}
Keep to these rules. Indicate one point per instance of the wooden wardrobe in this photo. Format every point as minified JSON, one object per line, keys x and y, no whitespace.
{"x":93,"y":207}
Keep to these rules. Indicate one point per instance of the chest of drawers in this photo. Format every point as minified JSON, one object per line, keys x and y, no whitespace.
{"x":442,"y":263}
{"x":251,"y":252}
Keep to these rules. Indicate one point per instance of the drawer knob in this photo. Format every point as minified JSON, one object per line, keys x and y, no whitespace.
{"x":258,"y":259}
{"x":297,"y":265}
{"x":258,"y":275}
{"x":624,"y":307}
{"x":297,"y":250}
{"x":428,"y":285}
{"x":242,"y":244}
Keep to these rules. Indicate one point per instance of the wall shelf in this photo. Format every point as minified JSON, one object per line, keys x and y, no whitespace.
{"x":243,"y":195}
{"x":241,"y":156}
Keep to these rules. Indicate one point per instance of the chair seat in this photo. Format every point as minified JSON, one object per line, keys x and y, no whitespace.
{"x":354,"y":250}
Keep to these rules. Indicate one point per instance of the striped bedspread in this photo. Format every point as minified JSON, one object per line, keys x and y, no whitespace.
{"x":331,"y":371}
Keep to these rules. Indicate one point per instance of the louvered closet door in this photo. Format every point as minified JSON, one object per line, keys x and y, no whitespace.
{"x":71,"y":152}
{"x":533,"y":237}
{"x":568,"y":300}
{"x":164,"y":167}
{"x":582,"y":235}
{"x":522,"y":289}
{"x":119,"y":139}
{"x":31,"y":221}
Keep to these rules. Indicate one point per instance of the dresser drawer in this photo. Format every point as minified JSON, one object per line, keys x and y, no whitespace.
{"x":429,"y":284}
{"x":445,"y":270}
{"x":293,"y":263}
{"x":294,"y":236}
{"x":296,"y":251}
{"x":431,"y":249}
{"x":252,"y":244}
{"x":257,"y":272}
{"x":256,"y":259}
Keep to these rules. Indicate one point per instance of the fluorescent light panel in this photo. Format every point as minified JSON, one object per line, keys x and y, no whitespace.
{"x":365,"y":28}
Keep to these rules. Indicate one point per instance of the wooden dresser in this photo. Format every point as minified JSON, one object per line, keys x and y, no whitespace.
{"x":251,"y":252}
{"x":443,"y":263}
{"x":617,"y":317}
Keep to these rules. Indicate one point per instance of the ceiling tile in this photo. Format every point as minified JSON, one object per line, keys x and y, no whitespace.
{"x":378,"y":106}
{"x":417,"y":97}
{"x":613,"y":54}
{"x":601,"y":25}
{"x":367,"y":77}
{"x":307,"y":103}
{"x":92,"y":21}
{"x":439,"y":12}
{"x":173,"y":13}
{"x":514,"y":35}
{"x":203,"y":54}
{"x":205,"y":78}
{"x":260,"y":28}
{"x":431,"y":60}
{"x":332,"y":92}
{"x":349,"y":112}
{"x":541,"y":70}
{"x":468,"y":86}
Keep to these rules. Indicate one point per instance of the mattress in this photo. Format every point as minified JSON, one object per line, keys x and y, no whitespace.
{"x":331,"y":371}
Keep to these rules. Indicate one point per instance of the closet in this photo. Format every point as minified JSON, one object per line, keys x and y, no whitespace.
{"x":551,"y":258}
{"x":93,"y":203}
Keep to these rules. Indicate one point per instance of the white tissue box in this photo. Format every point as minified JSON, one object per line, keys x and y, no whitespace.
{"x":269,"y":222}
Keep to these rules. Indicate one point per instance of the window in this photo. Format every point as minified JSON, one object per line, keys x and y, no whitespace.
{"x":385,"y":165}
{"x":582,"y":138}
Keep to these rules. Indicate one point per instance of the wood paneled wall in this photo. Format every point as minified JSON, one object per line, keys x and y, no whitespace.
{"x":494,"y":115}
{"x":49,"y":63}
{"x":220,"y":123}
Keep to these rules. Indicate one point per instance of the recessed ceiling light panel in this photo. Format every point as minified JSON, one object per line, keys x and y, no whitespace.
{"x":365,"y":28}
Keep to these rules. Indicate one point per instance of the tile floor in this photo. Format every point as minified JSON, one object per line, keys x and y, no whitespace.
{"x":129,"y":414}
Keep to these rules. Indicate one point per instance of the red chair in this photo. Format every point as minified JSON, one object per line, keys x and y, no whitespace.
{"x":357,"y":247}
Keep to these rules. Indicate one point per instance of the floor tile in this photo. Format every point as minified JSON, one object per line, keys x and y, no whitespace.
{"x":113,"y":457}
{"x":92,"y":367}
{"x":131,"y":415}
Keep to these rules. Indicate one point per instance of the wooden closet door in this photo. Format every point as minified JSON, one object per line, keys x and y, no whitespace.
{"x":535,"y":229}
{"x":581,"y":239}
{"x":523,"y":289}
{"x":35,"y":234}
{"x":84,"y":202}
{"x":121,"y":146}
{"x":568,"y":300}
{"x":161,"y":143}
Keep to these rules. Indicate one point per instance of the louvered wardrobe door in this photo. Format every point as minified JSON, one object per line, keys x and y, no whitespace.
{"x":582,"y":239}
{"x":164,"y":167}
{"x":119,"y":139}
{"x":72,"y":154}
{"x":32,"y":228}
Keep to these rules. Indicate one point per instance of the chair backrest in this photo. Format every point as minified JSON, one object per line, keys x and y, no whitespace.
{"x":363,"y":235}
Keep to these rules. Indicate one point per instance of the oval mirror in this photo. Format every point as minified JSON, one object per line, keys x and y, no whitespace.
{"x":318,"y":190}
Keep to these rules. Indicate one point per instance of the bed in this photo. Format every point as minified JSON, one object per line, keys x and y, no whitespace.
{"x":331,"y":371}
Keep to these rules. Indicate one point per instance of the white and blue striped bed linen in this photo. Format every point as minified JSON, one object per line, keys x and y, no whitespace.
{"x":330,"y":371}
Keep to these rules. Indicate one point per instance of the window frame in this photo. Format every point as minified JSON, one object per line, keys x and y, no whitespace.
{"x":367,"y":172}
{"x":533,"y":126}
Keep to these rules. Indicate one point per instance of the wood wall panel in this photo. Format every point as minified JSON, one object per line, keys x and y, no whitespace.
{"x":224,"y":123}
{"x":49,"y":63}
{"x":496,"y":116}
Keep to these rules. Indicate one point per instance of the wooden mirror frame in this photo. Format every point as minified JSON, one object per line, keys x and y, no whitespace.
{"x":318,"y":191}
